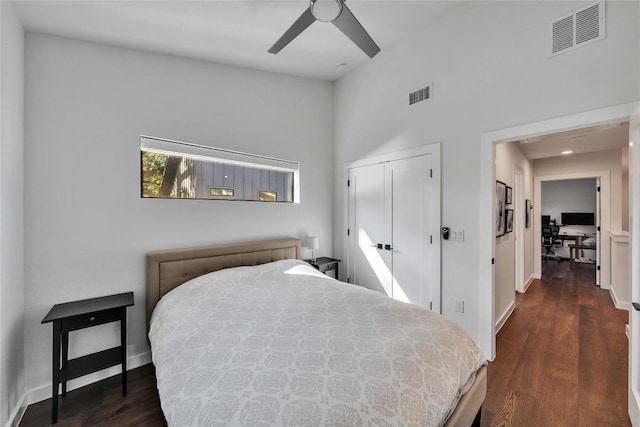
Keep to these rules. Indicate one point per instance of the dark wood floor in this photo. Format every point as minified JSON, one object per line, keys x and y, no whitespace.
{"x":561,"y":361}
{"x":101,"y":404}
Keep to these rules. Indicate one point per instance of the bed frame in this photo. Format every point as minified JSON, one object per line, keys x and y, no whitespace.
{"x":169,"y":269}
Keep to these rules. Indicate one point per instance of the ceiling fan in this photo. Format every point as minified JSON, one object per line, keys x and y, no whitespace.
{"x":336,"y":12}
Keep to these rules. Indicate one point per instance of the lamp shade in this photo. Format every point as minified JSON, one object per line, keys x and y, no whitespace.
{"x":313,"y":242}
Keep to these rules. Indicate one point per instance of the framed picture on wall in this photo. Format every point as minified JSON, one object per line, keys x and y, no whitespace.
{"x":527,"y":213}
{"x":509,"y":221}
{"x":501,"y":194}
{"x":508,"y":195}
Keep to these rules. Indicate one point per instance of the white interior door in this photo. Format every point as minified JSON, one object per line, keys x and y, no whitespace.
{"x":369,"y":265}
{"x":519,"y":226}
{"x":409,"y":219}
{"x":634,"y":259}
{"x":598,"y":234}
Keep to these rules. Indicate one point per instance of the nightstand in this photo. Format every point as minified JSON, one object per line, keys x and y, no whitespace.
{"x":324,"y":264}
{"x":76,"y":315}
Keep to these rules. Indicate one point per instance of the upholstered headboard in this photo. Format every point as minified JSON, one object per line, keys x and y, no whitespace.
{"x":168,"y":269}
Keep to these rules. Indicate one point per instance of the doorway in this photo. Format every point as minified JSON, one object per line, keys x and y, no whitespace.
{"x":571,"y":207}
{"x":486,"y":293}
{"x":602,"y":219}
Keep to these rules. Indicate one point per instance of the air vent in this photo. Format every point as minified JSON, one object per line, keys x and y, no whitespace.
{"x":420,"y":94}
{"x":577,"y":29}
{"x":562,"y":34}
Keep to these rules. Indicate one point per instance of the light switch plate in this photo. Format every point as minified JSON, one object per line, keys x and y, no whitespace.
{"x":456,"y":235}
{"x":459,"y":306}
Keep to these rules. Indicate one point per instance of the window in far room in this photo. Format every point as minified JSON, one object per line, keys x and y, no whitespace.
{"x":178,"y":170}
{"x":268,"y":196}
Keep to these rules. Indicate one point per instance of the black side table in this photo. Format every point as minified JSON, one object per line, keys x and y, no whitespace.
{"x":324,"y":264}
{"x":82,"y":314}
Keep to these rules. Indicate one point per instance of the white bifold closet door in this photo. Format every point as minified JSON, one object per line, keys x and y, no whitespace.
{"x":389,"y":222}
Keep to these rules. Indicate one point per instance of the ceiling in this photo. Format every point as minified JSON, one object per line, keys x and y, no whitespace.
{"x":609,"y":136}
{"x":239,"y":33}
{"x":233,"y":31}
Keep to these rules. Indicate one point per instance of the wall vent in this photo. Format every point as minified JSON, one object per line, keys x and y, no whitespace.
{"x":420,"y":94}
{"x":579,"y":28}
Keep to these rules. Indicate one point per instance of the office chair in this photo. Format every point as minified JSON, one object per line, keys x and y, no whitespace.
{"x":550,"y":236}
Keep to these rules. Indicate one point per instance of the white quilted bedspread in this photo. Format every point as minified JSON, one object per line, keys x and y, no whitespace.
{"x":281,"y":344}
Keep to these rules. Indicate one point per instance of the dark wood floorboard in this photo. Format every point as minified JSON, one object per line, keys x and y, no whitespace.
{"x":101,"y":404}
{"x":561,"y":358}
{"x":561,"y":361}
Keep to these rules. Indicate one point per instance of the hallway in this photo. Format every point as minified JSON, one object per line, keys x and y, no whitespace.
{"x":562,"y":357}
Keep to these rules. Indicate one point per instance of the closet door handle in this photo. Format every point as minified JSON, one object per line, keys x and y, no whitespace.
{"x":387,"y":247}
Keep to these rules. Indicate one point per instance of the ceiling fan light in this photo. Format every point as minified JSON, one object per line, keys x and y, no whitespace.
{"x":325,"y":10}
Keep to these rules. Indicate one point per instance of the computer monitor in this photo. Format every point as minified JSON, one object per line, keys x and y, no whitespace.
{"x":578,"y":218}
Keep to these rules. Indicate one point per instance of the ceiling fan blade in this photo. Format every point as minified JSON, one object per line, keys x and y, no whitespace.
{"x":351,"y":27}
{"x":294,"y":31}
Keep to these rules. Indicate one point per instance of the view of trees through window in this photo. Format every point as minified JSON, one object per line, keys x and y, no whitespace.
{"x":169,"y":176}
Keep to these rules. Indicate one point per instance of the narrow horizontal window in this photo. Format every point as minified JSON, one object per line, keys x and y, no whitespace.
{"x":268,"y":196}
{"x":179,"y":170}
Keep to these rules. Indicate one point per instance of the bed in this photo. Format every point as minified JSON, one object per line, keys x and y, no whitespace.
{"x":248,"y":334}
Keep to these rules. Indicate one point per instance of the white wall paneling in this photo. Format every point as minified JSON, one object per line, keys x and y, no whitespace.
{"x":620,"y":286}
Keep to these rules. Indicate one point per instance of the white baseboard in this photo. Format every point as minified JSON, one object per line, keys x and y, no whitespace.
{"x":43,"y":392}
{"x":529,"y":282}
{"x":621,"y":305}
{"x":626,"y":330}
{"x":505,"y":316}
{"x":18,"y":412}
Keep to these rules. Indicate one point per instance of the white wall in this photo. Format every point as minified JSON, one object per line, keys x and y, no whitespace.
{"x":490,"y":70}
{"x":508,"y":155}
{"x":580,"y":163}
{"x":87,"y":229}
{"x":573,"y":195}
{"x":12,"y":383}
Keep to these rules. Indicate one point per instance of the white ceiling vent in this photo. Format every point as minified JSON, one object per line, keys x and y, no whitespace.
{"x":420,"y":94}
{"x":579,"y":28}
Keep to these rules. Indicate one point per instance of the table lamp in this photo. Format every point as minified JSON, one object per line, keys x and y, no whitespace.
{"x":313,"y":244}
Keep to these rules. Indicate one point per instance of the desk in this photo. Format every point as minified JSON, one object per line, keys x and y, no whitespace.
{"x":573,"y":248}
{"x":577,"y":233}
{"x":82,"y":314}
{"x":575,"y":237}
